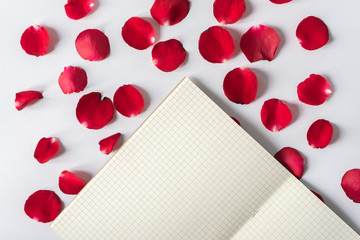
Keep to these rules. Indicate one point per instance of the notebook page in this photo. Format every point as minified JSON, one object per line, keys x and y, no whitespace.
{"x":189,"y":172}
{"x":292,"y":212}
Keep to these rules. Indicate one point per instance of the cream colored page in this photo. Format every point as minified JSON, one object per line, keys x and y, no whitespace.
{"x":189,"y":172}
{"x":293,"y":212}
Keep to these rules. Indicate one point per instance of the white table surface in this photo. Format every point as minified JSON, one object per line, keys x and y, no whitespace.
{"x":21,"y":174}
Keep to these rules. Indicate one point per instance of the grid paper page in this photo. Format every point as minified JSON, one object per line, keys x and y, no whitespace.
{"x":190,"y":172}
{"x":293,"y":212}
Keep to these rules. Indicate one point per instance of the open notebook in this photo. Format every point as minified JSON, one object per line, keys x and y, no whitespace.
{"x":190,"y":172}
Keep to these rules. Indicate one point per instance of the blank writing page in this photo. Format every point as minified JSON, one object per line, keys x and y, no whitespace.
{"x":190,"y":172}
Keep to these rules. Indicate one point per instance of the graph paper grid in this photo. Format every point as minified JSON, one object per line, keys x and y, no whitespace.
{"x":190,"y":172}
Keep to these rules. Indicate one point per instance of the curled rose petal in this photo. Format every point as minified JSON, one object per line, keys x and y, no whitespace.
{"x":25,"y":98}
{"x":312,"y":33}
{"x":314,"y":90}
{"x":93,"y":112}
{"x":35,"y":40}
{"x":240,"y":85}
{"x":228,"y":11}
{"x":108,"y":144}
{"x":169,"y":12}
{"x":280,"y":1}
{"x":216,"y":45}
{"x":350,"y":183}
{"x":168,"y":55}
{"x":259,"y":43}
{"x":318,"y":195}
{"x":275,"y":115}
{"x":69,"y":183}
{"x":138,"y":33}
{"x":291,"y":159}
{"x":92,"y":45}
{"x":46,"y":149}
{"x":72,"y":79}
{"x":235,"y":120}
{"x":43,"y":206}
{"x":128,"y":101}
{"x":320,"y":133}
{"x":76,"y":9}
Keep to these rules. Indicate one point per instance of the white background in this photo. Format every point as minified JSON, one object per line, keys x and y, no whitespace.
{"x":21,"y":174}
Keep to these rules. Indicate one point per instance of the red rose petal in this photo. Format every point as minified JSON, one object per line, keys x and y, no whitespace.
{"x":94,"y":113}
{"x":312,"y":33}
{"x":216,"y":45}
{"x":128,"y":101}
{"x":107,"y":144}
{"x":259,"y":43}
{"x":69,"y":183}
{"x":138,"y":33}
{"x":275,"y":115}
{"x":92,"y":45}
{"x":43,"y":206}
{"x":35,"y":40}
{"x":350,"y":183}
{"x":291,"y":159}
{"x":46,"y":149}
{"x":72,"y":79}
{"x":320,"y":133}
{"x":169,"y":12}
{"x":280,"y":1}
{"x":25,"y":98}
{"x":240,"y":85}
{"x":76,"y":9}
{"x":237,"y":121}
{"x":314,"y":90}
{"x":168,"y":55}
{"x":228,"y":11}
{"x":318,"y":195}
